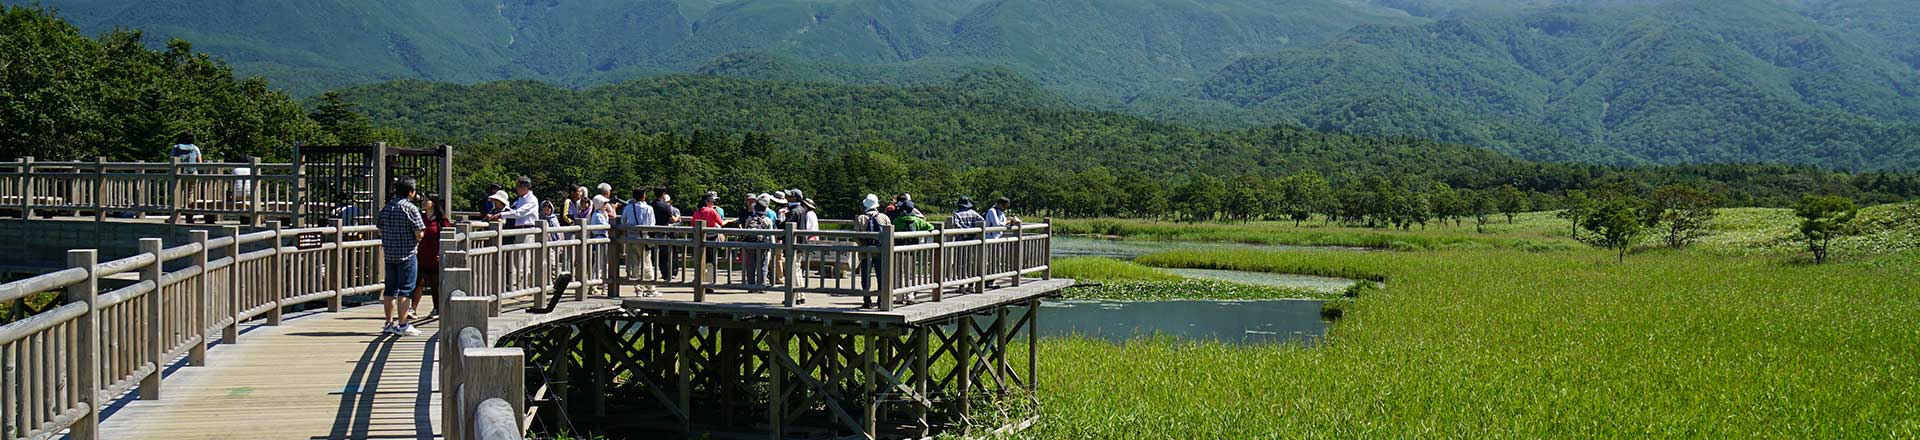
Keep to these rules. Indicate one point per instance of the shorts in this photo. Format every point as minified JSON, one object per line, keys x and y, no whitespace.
{"x":402,"y":276}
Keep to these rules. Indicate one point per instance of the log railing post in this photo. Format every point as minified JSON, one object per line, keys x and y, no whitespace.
{"x":615,"y":252}
{"x":981,"y":252}
{"x":786,"y":262}
{"x":939,"y":264}
{"x":152,"y":316}
{"x":100,"y":194}
{"x":87,"y":346}
{"x":700,"y":261}
{"x":253,"y":191}
{"x":580,"y":265}
{"x":231,"y":335}
{"x":462,"y":312}
{"x":493,"y":373}
{"x":498,"y":279}
{"x":299,"y":186}
{"x":25,"y":180}
{"x":1019,"y":255}
{"x":278,"y":283}
{"x":885,"y":269}
{"x":337,"y":265}
{"x":1047,"y":243}
{"x":203,"y":301}
{"x":539,"y":269}
{"x":173,"y":189}
{"x":449,"y":244}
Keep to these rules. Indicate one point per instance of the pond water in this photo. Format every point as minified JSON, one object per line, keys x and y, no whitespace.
{"x":1067,"y":246}
{"x":1131,"y":249}
{"x":1240,"y":322}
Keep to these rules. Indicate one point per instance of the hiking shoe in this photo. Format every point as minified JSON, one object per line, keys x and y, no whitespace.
{"x":406,"y":330}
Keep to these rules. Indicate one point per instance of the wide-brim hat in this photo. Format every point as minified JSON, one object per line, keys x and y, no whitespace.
{"x":501,"y":196}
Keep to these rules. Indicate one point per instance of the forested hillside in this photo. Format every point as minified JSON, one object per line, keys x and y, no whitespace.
{"x":1684,"y":82}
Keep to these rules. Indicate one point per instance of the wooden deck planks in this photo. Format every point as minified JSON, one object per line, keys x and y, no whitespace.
{"x":318,"y":376}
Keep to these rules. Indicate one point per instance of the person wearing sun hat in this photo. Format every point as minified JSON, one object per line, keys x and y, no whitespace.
{"x":870,"y":220}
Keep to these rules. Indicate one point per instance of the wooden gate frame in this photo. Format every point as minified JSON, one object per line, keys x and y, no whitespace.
{"x":378,"y":157}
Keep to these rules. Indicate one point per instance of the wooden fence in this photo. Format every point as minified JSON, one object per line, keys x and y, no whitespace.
{"x":254,"y":191}
{"x":64,"y":364}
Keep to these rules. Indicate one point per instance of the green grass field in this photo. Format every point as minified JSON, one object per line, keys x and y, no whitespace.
{"x":1736,"y":337}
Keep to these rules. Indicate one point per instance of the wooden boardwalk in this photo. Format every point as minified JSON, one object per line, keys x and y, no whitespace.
{"x":318,"y":376}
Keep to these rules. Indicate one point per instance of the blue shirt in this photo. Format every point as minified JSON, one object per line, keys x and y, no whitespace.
{"x":186,"y":152}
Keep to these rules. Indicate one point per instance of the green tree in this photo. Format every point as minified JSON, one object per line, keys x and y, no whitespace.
{"x":337,"y":118}
{"x":1821,"y":219}
{"x":1682,"y":213}
{"x":1513,"y":201}
{"x":1577,"y":207}
{"x":1616,"y":223}
{"x":1201,"y":197}
{"x":1480,"y":205}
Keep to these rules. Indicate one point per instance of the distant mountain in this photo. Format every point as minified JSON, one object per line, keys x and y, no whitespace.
{"x":1826,"y":82}
{"x":1690,"y":81}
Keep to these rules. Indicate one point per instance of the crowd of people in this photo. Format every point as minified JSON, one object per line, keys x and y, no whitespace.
{"x":413,"y":262}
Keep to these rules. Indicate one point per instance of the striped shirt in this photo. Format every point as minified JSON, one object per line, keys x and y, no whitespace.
{"x":398,"y":221}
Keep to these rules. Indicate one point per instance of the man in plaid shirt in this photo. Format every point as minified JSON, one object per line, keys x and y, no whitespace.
{"x":400,"y":230}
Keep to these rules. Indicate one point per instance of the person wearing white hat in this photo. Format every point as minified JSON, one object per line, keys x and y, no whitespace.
{"x":870,"y":220}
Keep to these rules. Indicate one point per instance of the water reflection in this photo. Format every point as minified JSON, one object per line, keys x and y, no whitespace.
{"x":1245,"y":322}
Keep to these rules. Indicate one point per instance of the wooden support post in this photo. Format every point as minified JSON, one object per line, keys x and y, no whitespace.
{"x":560,"y":359}
{"x":86,"y":378}
{"x":337,"y":266}
{"x":885,"y":271}
{"x":786,"y":263}
{"x":173,"y":189}
{"x":278,"y":281}
{"x":253,"y":191}
{"x":1033,"y":347}
{"x":776,"y":387}
{"x":700,"y":264}
{"x":870,"y":363}
{"x":150,"y":385}
{"x":1000,"y":366}
{"x":683,"y":370}
{"x":963,"y":360}
{"x":203,"y":302}
{"x":231,"y":334}
{"x":100,"y":193}
{"x":1019,"y":255}
{"x":920,"y":340}
{"x":595,"y":360}
{"x":939,"y":264}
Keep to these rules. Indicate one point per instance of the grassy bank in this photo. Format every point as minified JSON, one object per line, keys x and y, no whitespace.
{"x":1434,"y":236}
{"x":1115,"y":280}
{"x":1724,"y":340}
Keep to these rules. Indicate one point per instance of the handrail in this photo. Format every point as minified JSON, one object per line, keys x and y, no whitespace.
{"x":252,"y":190}
{"x":185,"y":294}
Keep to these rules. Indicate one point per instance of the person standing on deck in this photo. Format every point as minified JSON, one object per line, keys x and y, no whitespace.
{"x":639,"y":268}
{"x":574,"y":210}
{"x":709,"y":216}
{"x":667,"y":259}
{"x":965,"y":218}
{"x":490,"y":205}
{"x":776,"y":202}
{"x":871,"y":220}
{"x":436,"y":220}
{"x":800,"y":214}
{"x":601,"y":210}
{"x":400,"y":232}
{"x":907,"y":218}
{"x":525,"y":211}
{"x":755,"y":259}
{"x":997,"y":216}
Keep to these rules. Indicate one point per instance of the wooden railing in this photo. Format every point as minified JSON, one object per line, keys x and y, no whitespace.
{"x":62,"y":365}
{"x":254,"y":191}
